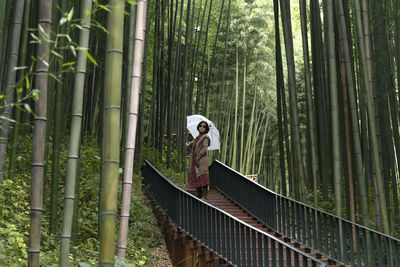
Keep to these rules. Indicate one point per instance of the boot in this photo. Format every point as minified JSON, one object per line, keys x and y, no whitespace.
{"x":199,"y":192}
{"x":205,"y":192}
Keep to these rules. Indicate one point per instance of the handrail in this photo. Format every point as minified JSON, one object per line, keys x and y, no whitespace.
{"x":335,"y":237}
{"x":235,"y":241}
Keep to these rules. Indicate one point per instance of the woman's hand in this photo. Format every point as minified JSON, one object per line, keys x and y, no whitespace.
{"x":189,"y":143}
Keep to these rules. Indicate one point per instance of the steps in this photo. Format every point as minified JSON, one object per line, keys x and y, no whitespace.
{"x":220,"y":201}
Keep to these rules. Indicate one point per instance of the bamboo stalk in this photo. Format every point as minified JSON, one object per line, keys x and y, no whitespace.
{"x":132,"y":126}
{"x":75,"y":133}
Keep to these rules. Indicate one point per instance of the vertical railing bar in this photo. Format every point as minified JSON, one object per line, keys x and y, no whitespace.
{"x":372,"y":247}
{"x":388,"y":251}
{"x":338,"y":237}
{"x":273,"y":253}
{"x":379,"y":247}
{"x":320,"y":224}
{"x":228,"y":238}
{"x":280,"y":252}
{"x":238,"y":242}
{"x":243,"y":244}
{"x":365,"y":247}
{"x":279,"y":214}
{"x":248,"y":246}
{"x":358,"y":244}
{"x":254,"y":248}
{"x":260,"y":249}
{"x":351,"y":243}
{"x":296,"y":259}
{"x":314,"y":229}
{"x":305,"y":260}
{"x":273,"y":218}
{"x":287,"y":217}
{"x":303,"y":221}
{"x":313,"y":264}
{"x":223,"y":233}
{"x":396,"y":253}
{"x":344,"y":244}
{"x":293,"y":219}
{"x":334,"y":236}
{"x":266,"y":250}
{"x":288,"y":257}
{"x":325,"y":233}
{"x":298,"y":231}
{"x":309,"y":226}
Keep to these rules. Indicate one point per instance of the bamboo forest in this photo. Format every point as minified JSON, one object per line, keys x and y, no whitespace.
{"x":95,"y":100}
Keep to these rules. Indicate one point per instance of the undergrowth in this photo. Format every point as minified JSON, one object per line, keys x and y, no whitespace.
{"x":15,"y":213}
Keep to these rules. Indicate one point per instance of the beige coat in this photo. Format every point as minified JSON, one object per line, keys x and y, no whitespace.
{"x":200,"y":156}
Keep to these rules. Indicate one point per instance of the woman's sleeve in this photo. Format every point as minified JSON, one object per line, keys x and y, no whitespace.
{"x":203,"y":149}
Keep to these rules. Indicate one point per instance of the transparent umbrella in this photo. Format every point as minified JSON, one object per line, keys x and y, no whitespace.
{"x":194,"y":120}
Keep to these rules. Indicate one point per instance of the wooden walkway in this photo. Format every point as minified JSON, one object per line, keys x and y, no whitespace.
{"x":221,"y":201}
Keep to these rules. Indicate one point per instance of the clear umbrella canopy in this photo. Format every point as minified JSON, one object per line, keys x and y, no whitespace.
{"x":194,"y":120}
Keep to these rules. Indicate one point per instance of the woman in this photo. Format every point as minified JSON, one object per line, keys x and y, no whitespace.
{"x":198,"y":172}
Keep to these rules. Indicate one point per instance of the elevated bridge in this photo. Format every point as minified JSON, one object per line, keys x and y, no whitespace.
{"x":244,"y":224}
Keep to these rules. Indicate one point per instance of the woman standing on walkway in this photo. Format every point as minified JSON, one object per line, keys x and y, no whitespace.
{"x":198,"y":172}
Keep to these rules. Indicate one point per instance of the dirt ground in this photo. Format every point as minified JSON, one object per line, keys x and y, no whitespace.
{"x":160,"y":256}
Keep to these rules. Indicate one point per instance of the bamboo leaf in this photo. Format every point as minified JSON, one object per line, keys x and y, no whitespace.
{"x":68,"y":64}
{"x":104,"y":7}
{"x":57,"y":54}
{"x":65,"y":36}
{"x":54,"y":77}
{"x":62,"y":21}
{"x":131,"y":2}
{"x":27,"y":82}
{"x":90,"y":57}
{"x":73,"y":50}
{"x":7,"y":119}
{"x":28,"y":108}
{"x":20,"y":68}
{"x":71,"y":14}
{"x":101,"y":27}
{"x":34,"y":36}
{"x":77,"y":26}
{"x":35,"y":94}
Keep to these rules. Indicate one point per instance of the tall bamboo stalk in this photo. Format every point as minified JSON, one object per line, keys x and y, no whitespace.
{"x":57,"y":130}
{"x":111,"y":134}
{"x":298,"y":167}
{"x":371,"y":116}
{"x":75,"y":134}
{"x":233,"y":159}
{"x":127,"y":95}
{"x":222,"y":88}
{"x":39,"y":132}
{"x":241,"y":161}
{"x":132,"y":126}
{"x":334,"y":110}
{"x":280,"y":87}
{"x":262,"y":147}
{"x":354,"y":119}
{"x":10,"y":85}
{"x":21,"y":76}
{"x":310,"y":103}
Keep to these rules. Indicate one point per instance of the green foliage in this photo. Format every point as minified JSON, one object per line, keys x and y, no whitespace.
{"x":14,"y":225}
{"x":14,"y":213}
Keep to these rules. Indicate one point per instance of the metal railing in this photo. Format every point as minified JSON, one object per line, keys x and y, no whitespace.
{"x":234,"y":241}
{"x":334,"y":237}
